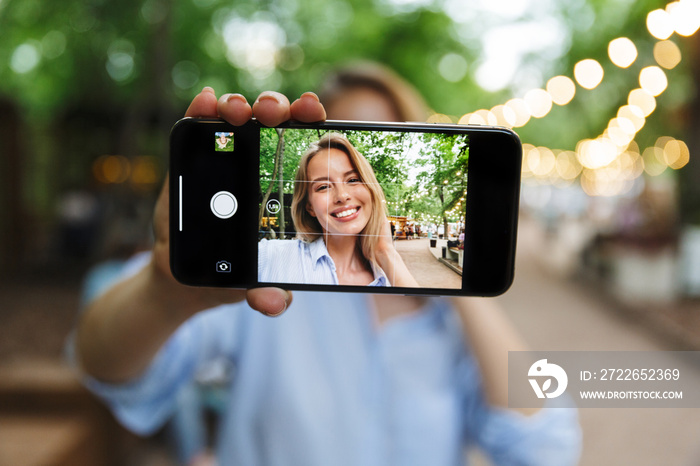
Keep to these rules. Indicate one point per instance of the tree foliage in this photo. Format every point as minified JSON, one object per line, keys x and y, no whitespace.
{"x":85,"y":78}
{"x":422,"y":175}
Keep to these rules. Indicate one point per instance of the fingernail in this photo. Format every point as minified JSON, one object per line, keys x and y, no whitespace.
{"x":208,"y":89}
{"x":310,"y":95}
{"x":231,"y":97}
{"x":267,"y":97}
{"x":284,"y":307}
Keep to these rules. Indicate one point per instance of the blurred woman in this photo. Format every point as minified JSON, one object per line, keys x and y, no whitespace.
{"x":341,"y":379}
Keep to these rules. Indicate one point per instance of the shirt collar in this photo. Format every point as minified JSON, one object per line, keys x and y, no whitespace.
{"x":380,"y":278}
{"x":318,"y":251}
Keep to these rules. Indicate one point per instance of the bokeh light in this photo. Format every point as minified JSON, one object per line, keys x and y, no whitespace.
{"x":521,"y":111}
{"x":120,"y":60}
{"x":634,"y":114}
{"x":25,"y":58}
{"x":539,"y":102}
{"x":541,"y":161}
{"x":452,"y":67}
{"x":526,"y":172}
{"x":567,"y":165}
{"x":659,"y":24}
{"x":654,"y":161}
{"x":676,"y":152}
{"x":439,"y":118}
{"x":653,"y":80}
{"x":480,"y":117}
{"x":145,"y":171}
{"x":111,"y":169}
{"x":588,"y":73}
{"x":142,"y":171}
{"x":643,"y":100}
{"x":685,"y":16}
{"x":622,"y":52}
{"x":667,"y":54}
{"x":504,"y":115}
{"x":562,"y":89}
{"x":596,"y":153}
{"x":610,"y":164}
{"x":620,"y":131}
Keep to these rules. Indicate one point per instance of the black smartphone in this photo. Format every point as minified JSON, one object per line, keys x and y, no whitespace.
{"x":420,"y":209}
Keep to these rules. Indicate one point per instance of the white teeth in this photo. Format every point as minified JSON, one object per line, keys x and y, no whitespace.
{"x":345,"y":213}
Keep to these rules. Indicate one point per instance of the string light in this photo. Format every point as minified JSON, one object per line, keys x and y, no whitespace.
{"x":539,"y":102}
{"x":667,"y":54}
{"x":588,"y":73}
{"x":622,"y":52}
{"x":653,"y":80}
{"x":608,"y":164}
{"x":643,"y":100}
{"x":659,"y":24}
{"x":562,"y":89}
{"x":685,"y":16}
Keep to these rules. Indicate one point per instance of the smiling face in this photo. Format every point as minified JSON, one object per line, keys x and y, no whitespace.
{"x":337,"y":196}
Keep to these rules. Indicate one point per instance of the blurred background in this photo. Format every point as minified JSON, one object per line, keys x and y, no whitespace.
{"x":604,"y":94}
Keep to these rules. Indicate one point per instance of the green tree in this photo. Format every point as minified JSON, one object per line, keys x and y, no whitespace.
{"x":95,"y":77}
{"x":445,"y":159}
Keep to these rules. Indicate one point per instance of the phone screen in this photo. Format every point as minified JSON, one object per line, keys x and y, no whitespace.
{"x":347,"y":193}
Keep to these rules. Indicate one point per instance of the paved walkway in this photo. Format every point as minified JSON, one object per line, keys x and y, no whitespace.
{"x":556,"y":313}
{"x":424,"y":265}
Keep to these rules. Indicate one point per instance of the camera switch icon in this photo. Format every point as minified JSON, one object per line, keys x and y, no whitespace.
{"x":223,"y":267}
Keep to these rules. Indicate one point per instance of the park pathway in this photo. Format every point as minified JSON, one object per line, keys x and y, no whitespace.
{"x":423,"y":265}
{"x":557,"y":313}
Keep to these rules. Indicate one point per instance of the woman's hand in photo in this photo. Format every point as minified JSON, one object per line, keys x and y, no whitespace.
{"x":386,"y":239}
{"x":391,"y":262}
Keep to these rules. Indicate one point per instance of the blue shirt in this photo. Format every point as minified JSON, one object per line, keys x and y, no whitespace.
{"x":296,"y":261}
{"x":322,"y":385}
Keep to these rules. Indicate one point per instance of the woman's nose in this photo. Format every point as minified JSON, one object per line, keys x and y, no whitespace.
{"x":341,"y":193}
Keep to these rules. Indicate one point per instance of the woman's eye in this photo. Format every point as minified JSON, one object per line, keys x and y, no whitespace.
{"x":321,"y":187}
{"x":354,"y":180}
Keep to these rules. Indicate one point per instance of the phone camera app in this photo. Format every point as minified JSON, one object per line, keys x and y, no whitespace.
{"x":224,"y":142}
{"x":223,"y":267}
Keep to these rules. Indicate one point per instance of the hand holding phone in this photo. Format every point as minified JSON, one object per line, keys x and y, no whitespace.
{"x":269,"y":108}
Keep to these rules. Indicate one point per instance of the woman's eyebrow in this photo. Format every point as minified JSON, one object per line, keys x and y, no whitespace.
{"x":327,"y":178}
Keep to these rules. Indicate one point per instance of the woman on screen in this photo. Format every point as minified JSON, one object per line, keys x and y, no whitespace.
{"x":343,"y":234}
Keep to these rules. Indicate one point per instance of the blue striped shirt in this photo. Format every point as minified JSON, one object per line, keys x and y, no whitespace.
{"x":296,"y":261}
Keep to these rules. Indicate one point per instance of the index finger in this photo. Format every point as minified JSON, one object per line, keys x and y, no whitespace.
{"x":203,"y":105}
{"x":308,"y":108}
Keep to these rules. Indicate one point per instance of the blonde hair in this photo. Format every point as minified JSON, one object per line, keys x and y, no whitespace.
{"x":403,"y":97}
{"x":307,"y":226}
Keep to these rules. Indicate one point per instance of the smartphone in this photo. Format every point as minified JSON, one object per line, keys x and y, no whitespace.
{"x":308,"y":206}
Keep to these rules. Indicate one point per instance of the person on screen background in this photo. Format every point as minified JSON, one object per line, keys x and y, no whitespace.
{"x":338,"y":379}
{"x":343,"y":233}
